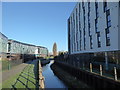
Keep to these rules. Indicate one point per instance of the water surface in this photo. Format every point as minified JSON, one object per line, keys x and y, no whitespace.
{"x":51,"y":81}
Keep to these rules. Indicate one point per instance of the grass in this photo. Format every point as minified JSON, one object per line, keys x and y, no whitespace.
{"x":24,"y":79}
{"x":8,"y":83}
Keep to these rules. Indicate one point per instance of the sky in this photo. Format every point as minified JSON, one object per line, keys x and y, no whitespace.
{"x":37,"y":23}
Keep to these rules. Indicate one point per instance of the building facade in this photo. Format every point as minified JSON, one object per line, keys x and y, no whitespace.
{"x":41,"y":51}
{"x":15,"y":50}
{"x":94,"y":28}
{"x":3,"y":45}
{"x":20,"y":50}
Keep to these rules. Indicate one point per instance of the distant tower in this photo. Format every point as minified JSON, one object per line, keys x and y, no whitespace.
{"x":55,"y":49}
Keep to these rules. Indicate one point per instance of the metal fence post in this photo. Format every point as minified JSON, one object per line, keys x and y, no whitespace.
{"x":101,"y":70}
{"x":115,"y":73}
{"x":90,"y":67}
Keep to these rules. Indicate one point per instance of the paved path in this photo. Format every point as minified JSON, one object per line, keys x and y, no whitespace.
{"x":7,"y":74}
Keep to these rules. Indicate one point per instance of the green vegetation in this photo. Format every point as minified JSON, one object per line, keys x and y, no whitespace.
{"x":49,"y":57}
{"x":24,"y":79}
{"x":8,"y":83}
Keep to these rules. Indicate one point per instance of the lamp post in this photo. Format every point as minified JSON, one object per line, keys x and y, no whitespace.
{"x":9,"y":55}
{"x":23,"y":54}
{"x":9,"y":62}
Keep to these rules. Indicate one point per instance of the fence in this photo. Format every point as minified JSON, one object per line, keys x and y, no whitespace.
{"x":8,"y":64}
{"x":90,"y":77}
{"x":99,"y":68}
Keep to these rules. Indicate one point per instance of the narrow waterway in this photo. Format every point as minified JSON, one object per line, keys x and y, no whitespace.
{"x":51,"y":81}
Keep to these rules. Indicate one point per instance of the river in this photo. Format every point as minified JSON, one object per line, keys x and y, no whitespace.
{"x":51,"y":80}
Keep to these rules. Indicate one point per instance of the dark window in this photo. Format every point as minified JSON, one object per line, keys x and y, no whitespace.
{"x":91,"y":42}
{"x":82,"y":4}
{"x":79,"y":26}
{"x":68,"y":37}
{"x":108,"y":41}
{"x":108,"y":12}
{"x":107,"y":30}
{"x":89,"y":25}
{"x":98,"y":39}
{"x":88,"y":5}
{"x":77,"y":46}
{"x":109,"y":24}
{"x":108,"y":18}
{"x":105,"y":6}
{"x":76,"y":20}
{"x":9,"y":47}
{"x":79,"y":7}
{"x":98,"y":33}
{"x":99,"y":44}
{"x":84,"y":24}
{"x":107,"y":38}
{"x":96,"y":7}
{"x":96,"y":25}
{"x":119,"y":3}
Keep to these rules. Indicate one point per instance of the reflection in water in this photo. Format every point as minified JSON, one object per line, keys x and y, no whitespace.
{"x":51,"y":81}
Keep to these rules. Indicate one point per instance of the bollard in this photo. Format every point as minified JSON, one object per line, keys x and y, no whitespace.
{"x":101,"y":70}
{"x":115,"y":73}
{"x":90,"y":67}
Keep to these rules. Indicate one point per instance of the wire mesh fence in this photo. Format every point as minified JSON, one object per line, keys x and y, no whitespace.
{"x":8,"y":64}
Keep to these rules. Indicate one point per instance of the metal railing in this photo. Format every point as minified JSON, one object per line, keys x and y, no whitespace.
{"x":90,"y":67}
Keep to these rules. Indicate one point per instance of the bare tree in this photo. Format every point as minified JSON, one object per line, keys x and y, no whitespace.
{"x":55,"y":49}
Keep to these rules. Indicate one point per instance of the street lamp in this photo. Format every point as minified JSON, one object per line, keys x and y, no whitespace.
{"x":9,"y":50}
{"x":23,"y":54}
{"x":9,"y":62}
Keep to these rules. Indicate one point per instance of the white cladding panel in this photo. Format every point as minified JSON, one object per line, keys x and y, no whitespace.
{"x":76,"y":27}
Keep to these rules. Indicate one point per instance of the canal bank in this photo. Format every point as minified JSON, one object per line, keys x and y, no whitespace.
{"x":69,"y":80}
{"x":55,"y":77}
{"x":44,"y":62}
{"x":92,"y":79}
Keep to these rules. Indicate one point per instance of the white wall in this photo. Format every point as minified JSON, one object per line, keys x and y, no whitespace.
{"x":113,"y":6}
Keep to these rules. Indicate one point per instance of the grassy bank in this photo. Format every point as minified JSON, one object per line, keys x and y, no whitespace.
{"x":68,"y":79}
{"x":25,"y":79}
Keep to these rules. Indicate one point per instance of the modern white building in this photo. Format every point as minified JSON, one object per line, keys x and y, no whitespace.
{"x":94,"y":27}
